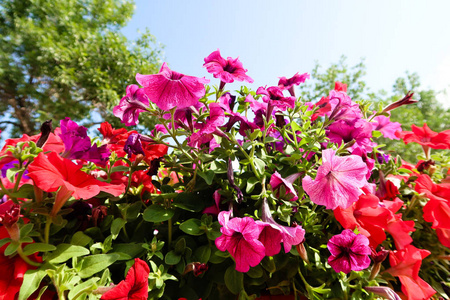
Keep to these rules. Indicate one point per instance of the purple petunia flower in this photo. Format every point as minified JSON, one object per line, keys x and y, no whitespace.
{"x":133,"y":145}
{"x":240,"y":238}
{"x":77,"y":144}
{"x":349,"y":252}
{"x":131,"y":105}
{"x":227,"y":70}
{"x":338,"y":181}
{"x":169,"y":89}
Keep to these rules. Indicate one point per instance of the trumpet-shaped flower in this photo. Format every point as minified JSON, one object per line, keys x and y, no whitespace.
{"x":53,"y":172}
{"x":338,"y":182}
{"x":227,"y":70}
{"x":169,"y":89}
{"x":276,"y":181}
{"x":349,"y":252}
{"x":240,"y":238}
{"x":134,"y":102}
{"x":426,"y":137}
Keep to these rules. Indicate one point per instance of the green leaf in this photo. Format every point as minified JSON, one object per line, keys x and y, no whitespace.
{"x":117,"y":226}
{"x":31,"y":281}
{"x":83,"y":288}
{"x":193,"y":202}
{"x":260,"y":165}
{"x":203,"y":253}
{"x":172,"y":258}
{"x":192,"y":227}
{"x":80,"y":239}
{"x":157,"y":213}
{"x":208,"y":176}
{"x":26,"y":229}
{"x":96,"y":263}
{"x":251,"y":182}
{"x":133,"y":211}
{"x":11,"y":248}
{"x":4,"y":241}
{"x":234,"y":280}
{"x":37,"y":247}
{"x":65,"y":252}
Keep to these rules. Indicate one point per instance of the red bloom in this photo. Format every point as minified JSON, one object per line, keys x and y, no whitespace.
{"x":437,"y":210}
{"x":52,"y":172}
{"x":135,"y":285}
{"x":426,"y":137}
{"x":373,"y":218}
{"x":340,"y":87}
{"x":406,"y":265}
{"x":324,"y":107}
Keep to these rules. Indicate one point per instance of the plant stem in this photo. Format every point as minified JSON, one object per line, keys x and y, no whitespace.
{"x":26,"y":258}
{"x":47,"y":229}
{"x":170,"y":232}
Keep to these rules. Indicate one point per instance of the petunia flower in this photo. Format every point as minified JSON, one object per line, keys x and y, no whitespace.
{"x":426,"y":137}
{"x":272,"y":233}
{"x":77,"y":144}
{"x":386,"y":127}
{"x":227,"y":70}
{"x":130,"y":106}
{"x":135,"y":285}
{"x":9,"y":215}
{"x":338,"y":181}
{"x":276,"y":181}
{"x":383,"y":291}
{"x":133,"y":145}
{"x":240,"y":238}
{"x":169,"y":89}
{"x":359,"y":130}
{"x":349,"y":252}
{"x":205,"y":134}
{"x":404,"y":101}
{"x":288,"y":84}
{"x":406,"y":264}
{"x":342,"y":107}
{"x":53,"y":172}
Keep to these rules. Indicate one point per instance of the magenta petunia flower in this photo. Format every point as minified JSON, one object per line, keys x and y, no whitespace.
{"x":342,"y":107}
{"x":288,"y":84}
{"x":227,"y":70}
{"x":169,"y":89}
{"x":345,"y":131}
{"x":273,"y":234}
{"x":131,"y":105}
{"x":338,"y":181}
{"x":349,"y":252}
{"x":240,"y":238}
{"x":384,"y":125}
{"x":205,"y":134}
{"x":276,"y":181}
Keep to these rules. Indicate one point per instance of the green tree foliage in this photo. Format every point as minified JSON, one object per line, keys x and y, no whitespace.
{"x":67,"y":58}
{"x":426,"y":110}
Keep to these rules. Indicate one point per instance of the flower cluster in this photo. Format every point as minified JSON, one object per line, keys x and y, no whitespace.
{"x":248,"y":192}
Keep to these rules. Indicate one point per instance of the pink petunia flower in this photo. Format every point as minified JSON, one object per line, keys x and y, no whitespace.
{"x":227,"y":70}
{"x":272,"y":233}
{"x":240,"y":238}
{"x":276,"y":181}
{"x":134,"y":102}
{"x":338,"y":182}
{"x":288,"y":84}
{"x":169,"y":89}
{"x":205,"y":134}
{"x":386,"y":127}
{"x":349,"y":252}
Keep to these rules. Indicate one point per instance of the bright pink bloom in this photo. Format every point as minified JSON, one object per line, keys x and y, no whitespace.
{"x":273,"y":234}
{"x":386,"y":127}
{"x":205,"y":134}
{"x":342,"y":107}
{"x":227,"y":70}
{"x":359,"y":130}
{"x":169,"y":89}
{"x":135,"y":285}
{"x":426,"y":137}
{"x":240,"y":238}
{"x":276,"y":181}
{"x":135,"y":102}
{"x":288,"y":84}
{"x":349,"y":252}
{"x":338,"y":181}
{"x":406,"y":265}
{"x":214,"y":209}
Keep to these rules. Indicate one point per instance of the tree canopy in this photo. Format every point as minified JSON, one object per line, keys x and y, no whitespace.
{"x":67,"y":58}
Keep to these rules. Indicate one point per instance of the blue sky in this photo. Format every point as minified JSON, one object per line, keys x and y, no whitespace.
{"x":280,"y":38}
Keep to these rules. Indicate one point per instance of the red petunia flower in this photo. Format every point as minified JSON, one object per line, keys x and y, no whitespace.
{"x":135,"y":285}
{"x":406,"y":265}
{"x":53,"y":172}
{"x":426,"y":137}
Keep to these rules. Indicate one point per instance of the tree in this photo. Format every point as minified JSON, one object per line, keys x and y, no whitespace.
{"x":67,"y":58}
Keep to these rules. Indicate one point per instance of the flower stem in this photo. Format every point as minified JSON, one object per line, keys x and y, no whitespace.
{"x":170,"y":232}
{"x":26,"y":258}
{"x":47,"y":229}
